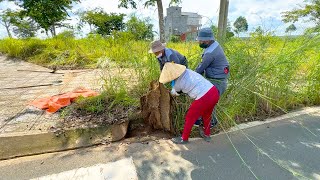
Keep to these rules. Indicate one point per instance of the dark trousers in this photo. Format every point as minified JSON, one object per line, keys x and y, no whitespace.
{"x":221,"y":85}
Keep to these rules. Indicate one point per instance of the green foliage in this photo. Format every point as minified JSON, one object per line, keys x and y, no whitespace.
{"x":311,"y":9}
{"x":66,"y":34}
{"x":63,"y":51}
{"x":16,"y":21}
{"x":258,"y":32}
{"x":140,"y":29}
{"x":103,"y":22}
{"x":95,"y":104}
{"x":240,"y":25}
{"x":175,"y":39}
{"x":229,"y":33}
{"x":214,"y":30}
{"x":126,"y":3}
{"x":6,"y":20}
{"x":269,"y":75}
{"x":148,"y":3}
{"x":22,"y":48}
{"x":26,"y":29}
{"x":47,"y":13}
{"x":291,"y":28}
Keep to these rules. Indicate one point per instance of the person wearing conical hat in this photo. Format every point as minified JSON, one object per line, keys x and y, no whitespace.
{"x":165,"y":55}
{"x":206,"y":96}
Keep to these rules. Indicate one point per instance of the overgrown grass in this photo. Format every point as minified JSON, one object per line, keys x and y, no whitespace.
{"x":269,"y":75}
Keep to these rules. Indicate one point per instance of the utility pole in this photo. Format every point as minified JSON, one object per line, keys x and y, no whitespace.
{"x":223,"y":20}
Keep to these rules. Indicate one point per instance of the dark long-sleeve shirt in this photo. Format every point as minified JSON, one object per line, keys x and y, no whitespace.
{"x":214,"y":63}
{"x":172,"y":56}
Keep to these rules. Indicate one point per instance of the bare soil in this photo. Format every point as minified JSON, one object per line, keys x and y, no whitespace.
{"x":78,"y":118}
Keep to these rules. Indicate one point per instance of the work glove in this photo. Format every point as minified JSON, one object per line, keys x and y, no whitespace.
{"x":174,"y":92}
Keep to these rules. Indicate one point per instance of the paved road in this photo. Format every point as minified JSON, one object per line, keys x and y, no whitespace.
{"x":285,"y":149}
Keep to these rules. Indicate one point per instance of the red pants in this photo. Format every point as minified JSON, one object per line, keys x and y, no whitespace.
{"x":202,"y":107}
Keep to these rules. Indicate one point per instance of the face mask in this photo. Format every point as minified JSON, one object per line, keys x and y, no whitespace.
{"x":159,"y":55}
{"x":203,"y":45}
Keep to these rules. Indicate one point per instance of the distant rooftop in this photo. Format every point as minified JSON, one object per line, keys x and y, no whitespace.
{"x":191,"y":14}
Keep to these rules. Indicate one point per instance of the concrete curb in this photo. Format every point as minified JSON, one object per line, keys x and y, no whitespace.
{"x":18,"y":144}
{"x":244,"y":126}
{"x":294,"y":114}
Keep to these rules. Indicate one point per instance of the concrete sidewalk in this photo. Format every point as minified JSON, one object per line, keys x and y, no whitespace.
{"x":287,"y":147}
{"x":19,"y":85}
{"x":25,"y":130}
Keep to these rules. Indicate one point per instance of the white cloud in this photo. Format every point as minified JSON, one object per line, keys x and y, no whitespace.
{"x":8,"y":5}
{"x":265,"y":13}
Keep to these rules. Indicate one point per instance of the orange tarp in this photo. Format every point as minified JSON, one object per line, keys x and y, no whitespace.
{"x":54,"y":103}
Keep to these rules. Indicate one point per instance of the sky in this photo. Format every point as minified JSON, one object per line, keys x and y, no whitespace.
{"x":264,"y":13}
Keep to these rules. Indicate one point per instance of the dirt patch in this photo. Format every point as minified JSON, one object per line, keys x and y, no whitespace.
{"x":79,"y":118}
{"x":142,"y":132}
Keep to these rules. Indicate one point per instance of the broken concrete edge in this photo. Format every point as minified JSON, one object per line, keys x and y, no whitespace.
{"x":20,"y":144}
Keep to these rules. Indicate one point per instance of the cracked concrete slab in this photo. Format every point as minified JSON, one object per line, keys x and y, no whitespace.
{"x":22,"y":83}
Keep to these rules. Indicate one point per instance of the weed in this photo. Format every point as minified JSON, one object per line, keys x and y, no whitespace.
{"x":269,"y":75}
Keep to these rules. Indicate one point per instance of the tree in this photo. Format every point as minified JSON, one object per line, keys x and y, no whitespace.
{"x":21,"y":25}
{"x":102,"y":22}
{"x":25,"y":28}
{"x":258,"y":31}
{"x":311,"y":10}
{"x":6,"y":19}
{"x":229,"y":32}
{"x":47,"y":13}
{"x":214,"y":30}
{"x":240,"y":25}
{"x":141,"y":29}
{"x":291,"y":28}
{"x":148,"y":3}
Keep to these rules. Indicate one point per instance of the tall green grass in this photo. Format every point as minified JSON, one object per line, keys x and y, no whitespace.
{"x":269,"y":75}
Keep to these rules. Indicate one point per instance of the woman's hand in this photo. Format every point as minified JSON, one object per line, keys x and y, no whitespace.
{"x":174,"y":92}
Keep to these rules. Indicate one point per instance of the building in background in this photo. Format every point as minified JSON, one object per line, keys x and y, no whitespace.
{"x":182,"y":25}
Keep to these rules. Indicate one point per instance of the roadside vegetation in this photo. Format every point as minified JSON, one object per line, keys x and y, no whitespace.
{"x":269,"y":75}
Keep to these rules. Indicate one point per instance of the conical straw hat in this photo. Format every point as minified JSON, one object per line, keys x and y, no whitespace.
{"x":171,"y":71}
